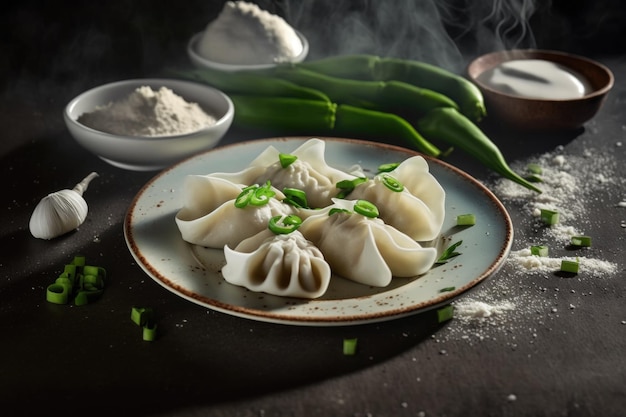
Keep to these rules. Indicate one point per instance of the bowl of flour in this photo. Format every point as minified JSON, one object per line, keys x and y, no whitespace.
{"x":246,"y":37}
{"x":148,"y":124}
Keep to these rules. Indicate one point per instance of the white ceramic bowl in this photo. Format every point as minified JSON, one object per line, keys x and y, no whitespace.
{"x":201,"y":62}
{"x":149,"y":153}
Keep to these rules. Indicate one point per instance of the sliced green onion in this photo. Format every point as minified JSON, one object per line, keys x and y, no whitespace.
{"x":366,"y":208}
{"x":87,"y":295}
{"x":388,"y":167}
{"x":445,"y":313}
{"x":549,"y":217}
{"x":244,"y":197}
{"x":468,"y":219}
{"x":282,"y":225}
{"x":286,"y":159}
{"x":336,"y":210}
{"x":447,"y":289}
{"x":390,"y":182}
{"x":149,"y":332}
{"x":569,"y":266}
{"x":539,"y":250}
{"x":57,"y":294}
{"x":140,"y":315}
{"x":262,"y":195}
{"x":346,"y":186}
{"x":295,"y":197}
{"x":349,"y":346}
{"x":582,"y":241}
{"x":534,"y":168}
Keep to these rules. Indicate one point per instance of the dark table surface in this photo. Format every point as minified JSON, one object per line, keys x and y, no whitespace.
{"x":560,"y":352}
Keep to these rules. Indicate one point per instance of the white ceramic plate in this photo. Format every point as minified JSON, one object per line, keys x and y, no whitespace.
{"x":155,"y":242}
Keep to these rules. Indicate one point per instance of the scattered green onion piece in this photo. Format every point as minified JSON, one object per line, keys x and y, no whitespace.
{"x":282,"y":225}
{"x":388,"y":167}
{"x":140,"y":315}
{"x":262,"y":195}
{"x":569,"y":266}
{"x":79,"y":261}
{"x":539,"y":250}
{"x":365,"y":208}
{"x":445,"y":313}
{"x":349,"y":346}
{"x":94,"y":280}
{"x":582,"y":241}
{"x":243,"y":198}
{"x":57,"y":294}
{"x":87,"y":295}
{"x":286,"y":159}
{"x":468,"y":219}
{"x":295,"y":197}
{"x":534,"y":168}
{"x":447,"y":289}
{"x":449,"y":253}
{"x":336,"y":210}
{"x":392,"y":183}
{"x":149,"y":332}
{"x":346,"y":186}
{"x":549,"y":217}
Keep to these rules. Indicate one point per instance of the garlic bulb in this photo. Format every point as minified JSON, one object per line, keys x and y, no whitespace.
{"x":60,"y":212}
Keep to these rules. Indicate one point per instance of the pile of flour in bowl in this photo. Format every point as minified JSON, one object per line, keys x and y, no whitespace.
{"x":146,"y":112}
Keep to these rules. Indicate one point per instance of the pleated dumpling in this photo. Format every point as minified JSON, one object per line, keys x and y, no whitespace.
{"x":210,"y":218}
{"x":415,"y":205}
{"x":279,"y":264}
{"x":308,"y":172}
{"x":365,"y":249}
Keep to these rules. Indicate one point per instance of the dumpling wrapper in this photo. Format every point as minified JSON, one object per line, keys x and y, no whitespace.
{"x":209,"y":217}
{"x":284,"y":265}
{"x":418,"y":210}
{"x":363,"y":249}
{"x":309,"y":173}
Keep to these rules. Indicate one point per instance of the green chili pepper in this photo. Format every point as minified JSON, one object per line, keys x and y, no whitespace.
{"x":249,"y":83}
{"x":391,"y":96}
{"x":372,"y":124}
{"x":285,"y":116}
{"x":370,"y":67}
{"x":282,"y":225}
{"x":450,"y":126}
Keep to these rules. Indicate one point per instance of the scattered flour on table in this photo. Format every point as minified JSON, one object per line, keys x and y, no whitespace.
{"x":493,"y":310}
{"x":146,"y":112}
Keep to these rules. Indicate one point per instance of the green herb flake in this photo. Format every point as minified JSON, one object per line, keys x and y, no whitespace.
{"x":449,"y":253}
{"x":447,"y":289}
{"x":286,"y":159}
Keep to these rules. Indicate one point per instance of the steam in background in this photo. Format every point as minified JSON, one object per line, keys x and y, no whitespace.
{"x":441,"y":32}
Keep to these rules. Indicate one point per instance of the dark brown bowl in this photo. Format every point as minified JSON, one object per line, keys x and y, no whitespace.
{"x":543,"y":114}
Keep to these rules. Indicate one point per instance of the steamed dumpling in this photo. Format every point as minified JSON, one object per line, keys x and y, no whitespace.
{"x":209,"y":217}
{"x":418,"y":210}
{"x":309,"y":173}
{"x":284,"y":265}
{"x":364,"y":249}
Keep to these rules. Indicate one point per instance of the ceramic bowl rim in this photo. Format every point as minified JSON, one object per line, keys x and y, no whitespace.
{"x":521,"y":53}
{"x":138,"y":82}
